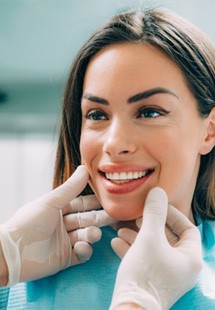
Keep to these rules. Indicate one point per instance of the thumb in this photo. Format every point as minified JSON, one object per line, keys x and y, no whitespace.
{"x":182,"y":226}
{"x":63,"y":194}
{"x":155,"y":209}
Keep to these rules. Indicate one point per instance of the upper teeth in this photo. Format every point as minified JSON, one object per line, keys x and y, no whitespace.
{"x":125,"y":175}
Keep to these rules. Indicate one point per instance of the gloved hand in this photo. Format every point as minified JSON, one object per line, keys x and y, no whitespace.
{"x":36,"y":242}
{"x":127,"y":236}
{"x":154,"y":274}
{"x":85,"y":211}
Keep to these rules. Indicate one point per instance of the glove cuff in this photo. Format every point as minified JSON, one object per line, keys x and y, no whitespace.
{"x":131,"y":293}
{"x":11,"y":255}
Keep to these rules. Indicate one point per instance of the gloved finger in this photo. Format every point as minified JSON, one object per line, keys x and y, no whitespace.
{"x":82,"y":204}
{"x":90,"y":234}
{"x":139,"y":222}
{"x":182,"y":226}
{"x":128,"y":235}
{"x":171,"y":237}
{"x":62,"y":195}
{"x":85,"y":219}
{"x":120,"y":247}
{"x":83,"y":251}
{"x":155,"y":210}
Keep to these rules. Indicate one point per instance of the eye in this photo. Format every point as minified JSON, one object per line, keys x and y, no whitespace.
{"x":96,"y":115}
{"x":151,"y":112}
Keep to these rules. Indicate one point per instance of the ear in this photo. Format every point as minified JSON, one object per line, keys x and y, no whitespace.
{"x":209,"y":139}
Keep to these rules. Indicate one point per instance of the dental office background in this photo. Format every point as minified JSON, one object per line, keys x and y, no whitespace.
{"x":38,"y":40}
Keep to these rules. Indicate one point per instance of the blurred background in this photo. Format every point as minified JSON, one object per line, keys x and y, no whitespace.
{"x":38,"y":41}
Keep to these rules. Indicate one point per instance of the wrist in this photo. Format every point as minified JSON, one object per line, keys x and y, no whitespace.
{"x":3,"y":267}
{"x":10,"y":257}
{"x":131,"y":296}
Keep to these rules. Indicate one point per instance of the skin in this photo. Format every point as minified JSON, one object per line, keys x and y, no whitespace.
{"x":159,"y":131}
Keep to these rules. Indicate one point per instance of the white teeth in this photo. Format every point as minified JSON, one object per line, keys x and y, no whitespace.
{"x":135,"y":175}
{"x":129,"y":175}
{"x":118,"y":176}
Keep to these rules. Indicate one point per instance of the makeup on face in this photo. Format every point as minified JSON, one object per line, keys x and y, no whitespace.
{"x":140,"y":129}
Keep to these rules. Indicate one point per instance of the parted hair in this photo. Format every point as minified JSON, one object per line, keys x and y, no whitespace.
{"x":185,"y":44}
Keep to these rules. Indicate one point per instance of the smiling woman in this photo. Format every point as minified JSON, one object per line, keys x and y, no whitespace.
{"x":132,"y":131}
{"x":139,"y":112}
{"x":139,"y":115}
{"x":140,"y":99}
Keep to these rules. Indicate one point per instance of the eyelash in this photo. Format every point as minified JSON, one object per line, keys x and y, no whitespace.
{"x":158,"y":111}
{"x":96,"y":113}
{"x":103,"y":116}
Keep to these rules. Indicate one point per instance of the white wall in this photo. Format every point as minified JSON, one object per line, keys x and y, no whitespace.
{"x":26,"y":166}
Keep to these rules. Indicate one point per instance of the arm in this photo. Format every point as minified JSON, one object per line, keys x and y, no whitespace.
{"x":38,"y":241}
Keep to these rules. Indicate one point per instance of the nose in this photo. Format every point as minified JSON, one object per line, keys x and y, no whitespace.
{"x":119,"y":140}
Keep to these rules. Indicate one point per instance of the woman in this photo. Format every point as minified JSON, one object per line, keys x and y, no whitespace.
{"x":139,"y":98}
{"x":192,"y":56}
{"x":139,"y":112}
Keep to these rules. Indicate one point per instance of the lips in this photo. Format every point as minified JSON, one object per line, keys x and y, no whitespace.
{"x":121,"y":179}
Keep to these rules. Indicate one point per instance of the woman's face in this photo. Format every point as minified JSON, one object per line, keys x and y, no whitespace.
{"x":140,"y":129}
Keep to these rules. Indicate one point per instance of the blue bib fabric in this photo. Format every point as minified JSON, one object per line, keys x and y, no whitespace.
{"x":202,"y":296}
{"x":89,"y":286}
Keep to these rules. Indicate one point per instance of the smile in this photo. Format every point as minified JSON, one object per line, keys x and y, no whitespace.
{"x":123,"y":177}
{"x":117,"y":180}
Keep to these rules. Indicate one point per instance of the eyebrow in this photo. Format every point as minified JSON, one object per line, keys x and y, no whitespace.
{"x":95,"y":99}
{"x":151,"y":92}
{"x":140,"y":96}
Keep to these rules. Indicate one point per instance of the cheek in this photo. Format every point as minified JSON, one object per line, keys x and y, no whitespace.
{"x":179,"y":169}
{"x":88,"y":148}
{"x":84,"y":149}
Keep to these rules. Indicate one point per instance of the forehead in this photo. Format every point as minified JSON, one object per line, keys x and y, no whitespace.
{"x":132,"y":64}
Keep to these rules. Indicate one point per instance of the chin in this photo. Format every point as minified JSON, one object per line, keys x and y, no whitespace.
{"x":119,"y":208}
{"x":121,"y":213}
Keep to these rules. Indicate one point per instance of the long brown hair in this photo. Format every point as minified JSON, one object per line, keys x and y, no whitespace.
{"x":186,"y":45}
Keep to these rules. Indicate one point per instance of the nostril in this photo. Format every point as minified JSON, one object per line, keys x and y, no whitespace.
{"x":119,"y":146}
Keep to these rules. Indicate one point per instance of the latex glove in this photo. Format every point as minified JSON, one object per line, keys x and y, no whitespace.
{"x":35,"y":241}
{"x":85,"y":211}
{"x":127,"y":236}
{"x":153,"y":274}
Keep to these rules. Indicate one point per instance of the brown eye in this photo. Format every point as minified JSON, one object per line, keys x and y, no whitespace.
{"x":96,"y":115}
{"x":151,"y":112}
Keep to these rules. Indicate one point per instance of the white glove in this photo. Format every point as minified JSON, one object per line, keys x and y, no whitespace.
{"x":82,"y":212}
{"x":154,"y":274}
{"x":36,"y":242}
